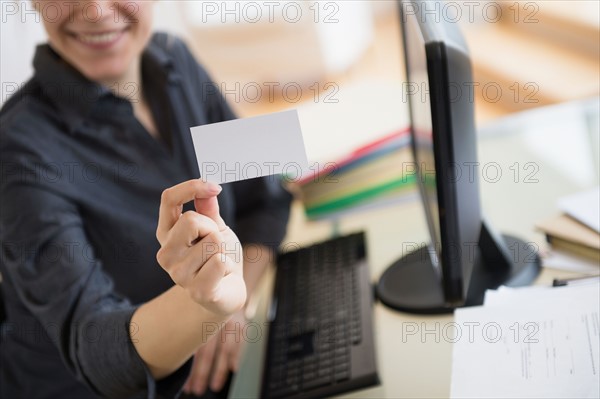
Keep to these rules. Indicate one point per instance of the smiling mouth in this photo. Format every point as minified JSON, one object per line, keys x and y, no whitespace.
{"x":99,"y":39}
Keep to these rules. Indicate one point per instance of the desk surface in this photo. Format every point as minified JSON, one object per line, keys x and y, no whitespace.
{"x":527,"y":161}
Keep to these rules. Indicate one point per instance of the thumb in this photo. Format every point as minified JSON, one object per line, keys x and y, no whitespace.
{"x":210,"y":207}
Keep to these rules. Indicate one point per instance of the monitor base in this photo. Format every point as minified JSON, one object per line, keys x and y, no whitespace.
{"x":412,"y":285}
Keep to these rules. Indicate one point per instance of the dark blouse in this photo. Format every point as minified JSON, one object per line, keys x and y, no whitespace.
{"x":79,"y":195}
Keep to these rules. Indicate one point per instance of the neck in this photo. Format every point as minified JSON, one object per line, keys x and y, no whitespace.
{"x":129,"y":85}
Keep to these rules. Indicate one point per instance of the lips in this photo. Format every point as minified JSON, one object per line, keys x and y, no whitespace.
{"x":102,"y":39}
{"x":99,"y":38}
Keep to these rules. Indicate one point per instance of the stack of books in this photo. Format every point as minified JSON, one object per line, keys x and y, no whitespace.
{"x":574,"y":235}
{"x":378,"y":173}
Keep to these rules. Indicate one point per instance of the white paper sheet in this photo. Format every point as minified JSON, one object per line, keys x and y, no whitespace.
{"x":530,"y":342}
{"x":251,"y":147}
{"x":561,"y":260}
{"x":585,"y":207}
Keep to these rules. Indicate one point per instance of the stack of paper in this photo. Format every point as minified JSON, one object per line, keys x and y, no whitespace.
{"x":529,"y":342}
{"x":575,"y":235}
{"x":379,"y":172}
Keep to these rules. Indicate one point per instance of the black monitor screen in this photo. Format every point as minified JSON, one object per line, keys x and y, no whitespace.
{"x":439,"y":90}
{"x":417,"y":88}
{"x":444,"y":141}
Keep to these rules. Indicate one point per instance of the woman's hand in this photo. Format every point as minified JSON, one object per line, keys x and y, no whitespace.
{"x":198,"y":250}
{"x":220,"y":355}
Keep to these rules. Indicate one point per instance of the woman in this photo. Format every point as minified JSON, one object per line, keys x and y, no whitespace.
{"x":96,"y":153}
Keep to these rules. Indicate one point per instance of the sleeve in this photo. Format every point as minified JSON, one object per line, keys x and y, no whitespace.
{"x":262,"y":204}
{"x":48,"y":260}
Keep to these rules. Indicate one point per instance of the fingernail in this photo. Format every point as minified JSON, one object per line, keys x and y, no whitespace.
{"x":214,"y":187}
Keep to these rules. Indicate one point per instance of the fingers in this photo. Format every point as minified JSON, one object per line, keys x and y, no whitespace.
{"x":210,"y":208}
{"x":203,"y":270}
{"x":187,"y":387}
{"x":189,"y":228}
{"x":229,"y":352}
{"x":221,"y":369}
{"x":206,"y":356}
{"x":207,"y":280}
{"x":204,"y":254}
{"x":172,"y":200}
{"x":182,"y":255}
{"x":214,"y":360}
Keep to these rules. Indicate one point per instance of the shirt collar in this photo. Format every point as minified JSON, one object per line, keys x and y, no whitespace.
{"x":73,"y":94}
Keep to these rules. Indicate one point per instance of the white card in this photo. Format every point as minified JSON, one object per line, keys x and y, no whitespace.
{"x":251,"y":147}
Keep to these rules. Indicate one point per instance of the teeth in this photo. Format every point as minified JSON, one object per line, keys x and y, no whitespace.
{"x":99,"y":38}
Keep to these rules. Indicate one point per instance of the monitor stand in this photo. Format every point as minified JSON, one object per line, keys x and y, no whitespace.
{"x":412,"y":285}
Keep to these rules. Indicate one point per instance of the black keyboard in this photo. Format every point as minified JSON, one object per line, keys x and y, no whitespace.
{"x":321,"y":332}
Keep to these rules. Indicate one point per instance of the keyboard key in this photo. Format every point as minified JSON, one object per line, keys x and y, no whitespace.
{"x":285,"y":391}
{"x":343,"y":375}
{"x":317,"y":382}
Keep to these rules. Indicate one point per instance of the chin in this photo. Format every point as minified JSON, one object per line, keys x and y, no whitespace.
{"x":106,"y":72}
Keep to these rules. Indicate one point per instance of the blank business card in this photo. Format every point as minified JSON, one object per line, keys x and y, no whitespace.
{"x":251,"y":147}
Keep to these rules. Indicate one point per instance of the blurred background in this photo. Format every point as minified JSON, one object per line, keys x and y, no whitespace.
{"x":271,"y":55}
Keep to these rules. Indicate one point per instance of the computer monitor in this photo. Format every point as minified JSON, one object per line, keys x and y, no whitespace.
{"x":465,"y":256}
